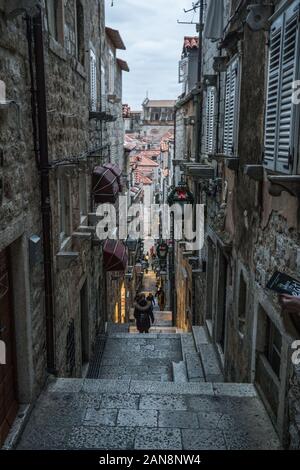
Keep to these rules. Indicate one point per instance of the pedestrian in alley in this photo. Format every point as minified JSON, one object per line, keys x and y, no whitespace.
{"x":151,"y":299}
{"x":160,"y":294}
{"x":143,"y":313}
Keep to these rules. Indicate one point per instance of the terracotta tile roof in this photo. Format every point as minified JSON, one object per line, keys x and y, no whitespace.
{"x":150,"y":153}
{"x":191,"y":42}
{"x":160,"y":104}
{"x":141,"y":178}
{"x":115,"y":38}
{"x":123,"y":65}
{"x":141,"y":160}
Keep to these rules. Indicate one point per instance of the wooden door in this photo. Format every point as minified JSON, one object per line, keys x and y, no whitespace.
{"x":8,"y":392}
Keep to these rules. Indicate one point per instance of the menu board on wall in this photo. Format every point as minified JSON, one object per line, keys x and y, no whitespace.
{"x":284,"y":284}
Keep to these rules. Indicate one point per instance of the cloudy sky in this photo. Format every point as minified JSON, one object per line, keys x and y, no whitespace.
{"x":154,"y":43}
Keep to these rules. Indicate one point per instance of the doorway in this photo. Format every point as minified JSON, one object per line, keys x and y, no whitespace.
{"x":84,"y":313}
{"x":8,"y":385}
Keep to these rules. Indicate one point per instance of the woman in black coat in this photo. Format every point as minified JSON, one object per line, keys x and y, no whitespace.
{"x":143,"y":313}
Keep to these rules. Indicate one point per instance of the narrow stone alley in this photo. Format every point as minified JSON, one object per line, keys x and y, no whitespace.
{"x":151,"y":393}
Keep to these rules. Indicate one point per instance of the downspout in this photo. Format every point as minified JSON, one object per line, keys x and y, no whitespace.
{"x":175,"y":135}
{"x":32,"y":86}
{"x":45,"y":185}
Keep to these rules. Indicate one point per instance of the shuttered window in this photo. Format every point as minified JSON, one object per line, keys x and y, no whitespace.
{"x":280,"y":122}
{"x":93,"y":80}
{"x":231,"y":108}
{"x":210,"y":120}
{"x":103,"y":87}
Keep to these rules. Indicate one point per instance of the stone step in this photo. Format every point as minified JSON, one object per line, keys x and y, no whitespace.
{"x":99,"y":386}
{"x":200,"y":336}
{"x":194,"y":367}
{"x":187,"y":344}
{"x":135,"y":336}
{"x":179,"y":372}
{"x":210,"y":363}
{"x":78,"y":414}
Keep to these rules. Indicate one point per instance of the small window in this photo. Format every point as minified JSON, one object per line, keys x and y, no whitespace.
{"x":273,"y":346}
{"x":210,"y":120}
{"x":93,"y":80}
{"x":242,"y":305}
{"x":55,"y":17}
{"x":231,"y":109}
{"x":80,"y":49}
{"x":64,"y":208}
{"x":282,"y":117}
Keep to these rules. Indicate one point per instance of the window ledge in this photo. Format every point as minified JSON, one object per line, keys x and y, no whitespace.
{"x":80,"y":70}
{"x":288,"y":183}
{"x":66,"y":243}
{"x":65,"y":259}
{"x":82,"y":236}
{"x":222,"y":157}
{"x":254,"y":172}
{"x":57,"y":49}
{"x":199,"y":170}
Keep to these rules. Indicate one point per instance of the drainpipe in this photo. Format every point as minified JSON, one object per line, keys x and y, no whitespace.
{"x":175,"y":135}
{"x":45,"y":185}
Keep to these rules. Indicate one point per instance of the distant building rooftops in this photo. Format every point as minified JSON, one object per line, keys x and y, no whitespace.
{"x":191,"y":42}
{"x":159,"y":103}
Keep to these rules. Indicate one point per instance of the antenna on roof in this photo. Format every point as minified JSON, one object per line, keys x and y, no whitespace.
{"x":186,"y":22}
{"x":194,"y":7}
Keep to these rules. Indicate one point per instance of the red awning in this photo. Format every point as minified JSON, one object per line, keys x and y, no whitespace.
{"x":105,"y":185}
{"x":115,"y":255}
{"x":116,"y":171}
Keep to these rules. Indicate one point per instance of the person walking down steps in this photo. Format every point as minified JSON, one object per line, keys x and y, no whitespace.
{"x":143,"y":313}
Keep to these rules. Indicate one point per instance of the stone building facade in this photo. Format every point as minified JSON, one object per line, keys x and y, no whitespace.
{"x":250,"y":141}
{"x":157,"y":119}
{"x":58,"y":66}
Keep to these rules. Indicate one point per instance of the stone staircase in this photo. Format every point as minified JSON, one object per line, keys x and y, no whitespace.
{"x":151,"y":393}
{"x":148,"y":415}
{"x":200,"y":363}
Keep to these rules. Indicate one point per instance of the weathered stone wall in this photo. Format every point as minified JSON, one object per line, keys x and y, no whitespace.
{"x":20,"y":216}
{"x":261,"y":235}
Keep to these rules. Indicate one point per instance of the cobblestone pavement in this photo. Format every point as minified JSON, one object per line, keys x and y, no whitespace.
{"x":156,"y":391}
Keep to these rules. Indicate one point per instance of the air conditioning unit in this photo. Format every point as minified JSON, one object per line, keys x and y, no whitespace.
{"x":14,"y":8}
{"x":258,"y":16}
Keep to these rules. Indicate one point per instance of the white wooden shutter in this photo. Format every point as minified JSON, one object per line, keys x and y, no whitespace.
{"x":93,"y":80}
{"x":290,"y":57}
{"x":103,"y":87}
{"x":231,"y":108}
{"x":210,"y":113}
{"x":280,"y":111}
{"x":272,"y":93}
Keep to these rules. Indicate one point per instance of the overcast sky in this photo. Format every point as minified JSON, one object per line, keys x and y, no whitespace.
{"x":154,"y":43}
